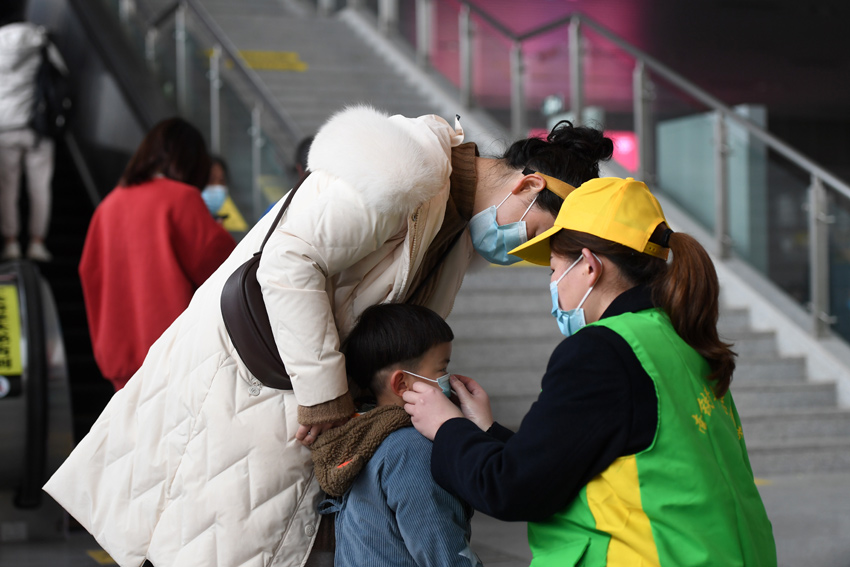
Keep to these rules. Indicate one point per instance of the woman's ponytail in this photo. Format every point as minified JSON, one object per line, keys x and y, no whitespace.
{"x":688,"y":292}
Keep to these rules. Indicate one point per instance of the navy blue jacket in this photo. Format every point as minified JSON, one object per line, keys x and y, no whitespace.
{"x":597,"y":404}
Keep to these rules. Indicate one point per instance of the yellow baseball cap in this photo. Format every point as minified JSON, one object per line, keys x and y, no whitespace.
{"x":619,"y":210}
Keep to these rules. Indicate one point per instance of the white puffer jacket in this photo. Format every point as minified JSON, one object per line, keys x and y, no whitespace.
{"x":185,"y":466}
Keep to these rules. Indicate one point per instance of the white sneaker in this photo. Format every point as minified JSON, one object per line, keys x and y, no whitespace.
{"x":11,"y":251}
{"x":38,"y":252}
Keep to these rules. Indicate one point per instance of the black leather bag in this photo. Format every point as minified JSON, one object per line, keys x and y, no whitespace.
{"x":247,"y":321}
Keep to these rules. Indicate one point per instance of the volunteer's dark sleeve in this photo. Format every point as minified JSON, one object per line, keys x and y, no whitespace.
{"x":596,"y":404}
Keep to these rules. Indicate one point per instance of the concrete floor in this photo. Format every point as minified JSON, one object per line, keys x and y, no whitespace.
{"x":810,"y":515}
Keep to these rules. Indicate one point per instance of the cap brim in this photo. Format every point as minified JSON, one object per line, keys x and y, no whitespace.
{"x":536,"y":250}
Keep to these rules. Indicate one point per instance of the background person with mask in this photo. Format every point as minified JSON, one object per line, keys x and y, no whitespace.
{"x":216,"y":191}
{"x":382,"y":218}
{"x":633,"y":453}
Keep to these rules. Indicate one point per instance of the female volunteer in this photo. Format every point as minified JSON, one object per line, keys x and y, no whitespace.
{"x":633,"y":453}
{"x":194,"y":462}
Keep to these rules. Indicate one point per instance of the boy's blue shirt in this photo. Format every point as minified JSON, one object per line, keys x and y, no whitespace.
{"x":395,"y":514}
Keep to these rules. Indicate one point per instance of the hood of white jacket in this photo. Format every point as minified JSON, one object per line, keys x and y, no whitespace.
{"x":390,"y":160}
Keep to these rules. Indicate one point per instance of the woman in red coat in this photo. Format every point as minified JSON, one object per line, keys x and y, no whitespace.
{"x":151,"y":243}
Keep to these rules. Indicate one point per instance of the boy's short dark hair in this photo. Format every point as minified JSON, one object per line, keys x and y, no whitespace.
{"x":391,"y":334}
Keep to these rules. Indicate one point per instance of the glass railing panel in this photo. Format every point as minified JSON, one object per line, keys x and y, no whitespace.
{"x":607,"y":79}
{"x":236,"y":150}
{"x":446,"y":41}
{"x":407,"y":21}
{"x":768,"y":218}
{"x":276,"y":175}
{"x":491,"y":70}
{"x":839,"y":264}
{"x":684,"y":161}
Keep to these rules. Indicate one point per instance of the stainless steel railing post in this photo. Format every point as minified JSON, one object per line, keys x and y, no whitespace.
{"x":721,"y":187}
{"x":182,"y":79}
{"x":256,"y":158}
{"x":576,"y":70}
{"x":465,"y":51}
{"x":819,"y":221}
{"x":518,"y":123}
{"x":215,"y":99}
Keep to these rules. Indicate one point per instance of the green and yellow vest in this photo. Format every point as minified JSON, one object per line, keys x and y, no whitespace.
{"x":688,"y":499}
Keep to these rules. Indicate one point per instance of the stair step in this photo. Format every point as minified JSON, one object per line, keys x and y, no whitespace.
{"x":813,"y":455}
{"x":470,"y":353}
{"x":504,"y":326}
{"x":769,"y":369}
{"x":514,"y":301}
{"x":733,"y":320}
{"x":768,"y":426}
{"x":755,"y":396}
{"x":752,"y":343}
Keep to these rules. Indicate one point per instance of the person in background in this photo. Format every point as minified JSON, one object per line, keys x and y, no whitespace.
{"x":215,"y":192}
{"x":21,"y":45}
{"x":633,"y":453}
{"x":151,"y":243}
{"x":376,"y":468}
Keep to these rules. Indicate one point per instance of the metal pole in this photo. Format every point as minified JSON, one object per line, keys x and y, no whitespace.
{"x":576,"y":71}
{"x":256,"y":157}
{"x":819,"y":221}
{"x":215,"y":99}
{"x":388,"y":16}
{"x":423,"y":32}
{"x":182,"y":78}
{"x":518,"y":127}
{"x":465,"y":36}
{"x":643,"y":95}
{"x":721,"y":187}
{"x":150,"y":47}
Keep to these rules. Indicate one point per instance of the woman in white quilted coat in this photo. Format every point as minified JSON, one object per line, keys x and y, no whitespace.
{"x":189,"y":465}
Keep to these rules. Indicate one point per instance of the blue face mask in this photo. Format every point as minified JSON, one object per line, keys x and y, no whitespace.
{"x":214,"y":197}
{"x":492,"y":240}
{"x":442,"y":382}
{"x":568,"y":321}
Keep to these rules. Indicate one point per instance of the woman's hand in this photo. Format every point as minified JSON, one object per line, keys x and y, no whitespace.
{"x":429,"y":408}
{"x":308,"y":434}
{"x":474,"y":401}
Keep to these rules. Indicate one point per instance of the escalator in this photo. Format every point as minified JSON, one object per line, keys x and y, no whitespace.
{"x":35,"y":410}
{"x":51,"y":390}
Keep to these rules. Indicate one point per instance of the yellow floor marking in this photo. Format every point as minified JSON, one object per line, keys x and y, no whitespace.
{"x":763,"y":482}
{"x":101,"y":557}
{"x":273,"y":60}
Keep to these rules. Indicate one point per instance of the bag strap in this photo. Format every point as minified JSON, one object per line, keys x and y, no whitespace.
{"x":281,"y":211}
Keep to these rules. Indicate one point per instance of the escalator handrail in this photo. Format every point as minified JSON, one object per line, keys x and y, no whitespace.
{"x":28,"y":281}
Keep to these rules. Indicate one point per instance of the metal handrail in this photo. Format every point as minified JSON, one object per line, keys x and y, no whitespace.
{"x":255,"y":83}
{"x":821,"y":180}
{"x":172,"y":11}
{"x":679,"y":81}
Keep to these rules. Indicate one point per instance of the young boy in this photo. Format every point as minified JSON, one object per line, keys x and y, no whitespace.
{"x":376,"y":469}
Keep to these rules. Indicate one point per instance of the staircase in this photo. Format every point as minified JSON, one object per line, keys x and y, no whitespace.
{"x":341,"y":69}
{"x":504,"y":335}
